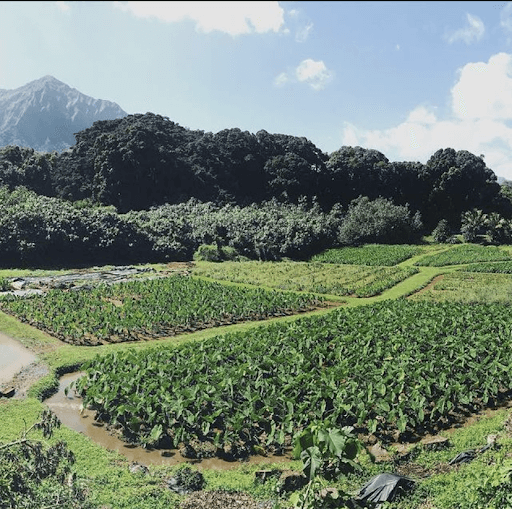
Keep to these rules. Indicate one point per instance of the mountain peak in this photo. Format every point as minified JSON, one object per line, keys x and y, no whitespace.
{"x":45,"y":113}
{"x":48,"y":79}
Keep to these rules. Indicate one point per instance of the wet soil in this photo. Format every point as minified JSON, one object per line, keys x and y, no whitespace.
{"x":223,"y":500}
{"x":70,"y":411}
{"x":84,"y":277}
{"x":26,"y":378}
{"x":13,"y":358}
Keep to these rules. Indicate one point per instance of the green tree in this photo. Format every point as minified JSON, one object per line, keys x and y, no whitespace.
{"x":457,"y":181}
{"x":442,"y":232}
{"x":378,"y":221}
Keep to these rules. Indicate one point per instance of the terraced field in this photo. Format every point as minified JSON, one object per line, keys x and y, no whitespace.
{"x":420,"y":340}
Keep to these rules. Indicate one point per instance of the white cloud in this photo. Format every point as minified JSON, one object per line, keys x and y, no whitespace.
{"x":63,"y":6}
{"x":480,"y":121}
{"x":471,"y":33}
{"x":484,"y":90}
{"x":311,"y":72}
{"x":233,"y":18}
{"x":421,"y":115}
{"x":302,"y":25}
{"x":314,"y":73}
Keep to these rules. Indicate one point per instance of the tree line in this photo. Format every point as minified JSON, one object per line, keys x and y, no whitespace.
{"x":146,"y":160}
{"x":37,"y":230}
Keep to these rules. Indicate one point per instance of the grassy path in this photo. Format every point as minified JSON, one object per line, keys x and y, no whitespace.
{"x":404,"y":288}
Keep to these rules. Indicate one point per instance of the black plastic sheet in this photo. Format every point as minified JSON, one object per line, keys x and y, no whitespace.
{"x":385,"y":488}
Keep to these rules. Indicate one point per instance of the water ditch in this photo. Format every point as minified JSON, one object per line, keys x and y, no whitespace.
{"x":71,"y":413}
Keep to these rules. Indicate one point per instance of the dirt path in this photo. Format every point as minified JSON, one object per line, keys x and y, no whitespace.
{"x":431,"y":285}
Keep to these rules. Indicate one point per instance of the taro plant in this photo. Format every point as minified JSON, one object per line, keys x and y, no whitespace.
{"x":327,"y":453}
{"x":5,"y":285}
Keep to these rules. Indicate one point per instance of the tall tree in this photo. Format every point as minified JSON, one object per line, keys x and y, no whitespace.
{"x":456,"y":182}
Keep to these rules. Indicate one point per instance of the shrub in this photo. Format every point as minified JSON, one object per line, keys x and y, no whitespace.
{"x":36,"y":474}
{"x":4,"y":284}
{"x":215,"y":253}
{"x":442,"y":231}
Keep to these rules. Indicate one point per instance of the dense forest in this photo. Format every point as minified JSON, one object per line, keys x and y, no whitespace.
{"x":145,"y":188}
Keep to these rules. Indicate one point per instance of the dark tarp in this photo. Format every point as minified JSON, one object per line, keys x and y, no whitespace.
{"x":385,"y":488}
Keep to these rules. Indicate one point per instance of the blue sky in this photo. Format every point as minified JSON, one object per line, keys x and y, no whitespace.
{"x":405,"y":78}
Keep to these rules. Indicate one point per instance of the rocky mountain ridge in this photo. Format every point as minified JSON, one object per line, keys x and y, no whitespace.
{"x":46,"y":113}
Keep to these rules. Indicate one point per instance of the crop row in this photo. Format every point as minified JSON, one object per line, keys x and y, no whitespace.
{"x":395,"y":365}
{"x":151,"y":308}
{"x":493,"y":267}
{"x":466,"y":253}
{"x":333,"y":279}
{"x":369,"y":254}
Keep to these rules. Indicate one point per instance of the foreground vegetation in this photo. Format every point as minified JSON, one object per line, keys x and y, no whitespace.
{"x":412,"y":365}
{"x":395,"y":365}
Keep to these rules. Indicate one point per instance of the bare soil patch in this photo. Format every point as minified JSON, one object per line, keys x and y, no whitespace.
{"x":27,"y":377}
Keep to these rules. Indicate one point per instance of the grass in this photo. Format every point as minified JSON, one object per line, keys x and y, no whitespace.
{"x":106,"y":474}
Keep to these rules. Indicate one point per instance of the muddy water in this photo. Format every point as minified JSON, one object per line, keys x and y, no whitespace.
{"x":69,"y":410}
{"x":13,"y":358}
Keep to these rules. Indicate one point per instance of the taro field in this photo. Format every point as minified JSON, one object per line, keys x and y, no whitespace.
{"x":316,"y":277}
{"x":466,"y":253}
{"x":145,"y":309}
{"x":469,"y":287}
{"x":396,"y":366}
{"x":369,"y":254}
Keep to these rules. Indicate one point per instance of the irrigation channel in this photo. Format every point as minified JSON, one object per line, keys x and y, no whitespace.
{"x":68,"y":408}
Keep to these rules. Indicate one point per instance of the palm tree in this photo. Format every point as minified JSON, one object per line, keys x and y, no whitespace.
{"x":497,"y":228}
{"x":472,"y":223}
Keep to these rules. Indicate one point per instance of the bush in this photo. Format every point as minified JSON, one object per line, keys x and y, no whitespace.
{"x":35,"y":474}
{"x":214,"y":253}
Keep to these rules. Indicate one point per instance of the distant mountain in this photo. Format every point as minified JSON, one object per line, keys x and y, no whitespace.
{"x":44,"y":114}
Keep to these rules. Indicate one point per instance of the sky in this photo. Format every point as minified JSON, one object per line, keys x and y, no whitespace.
{"x":404,"y":78}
